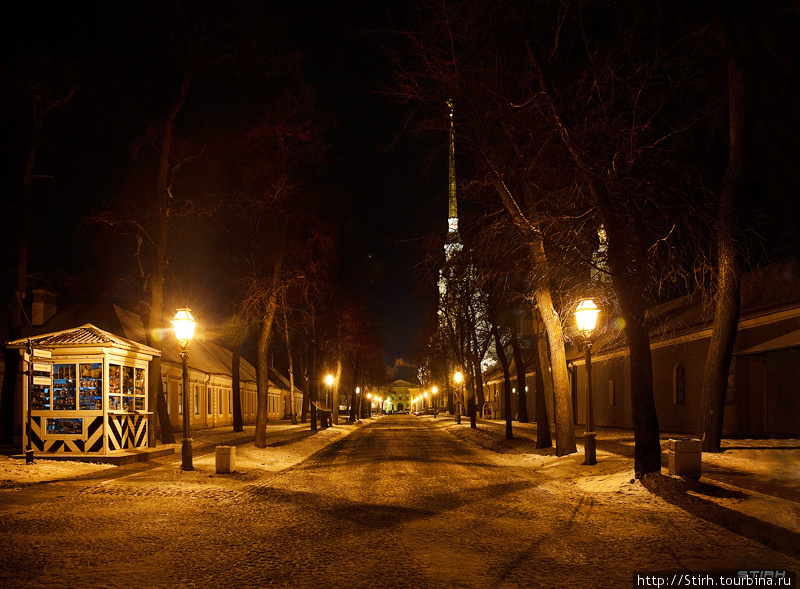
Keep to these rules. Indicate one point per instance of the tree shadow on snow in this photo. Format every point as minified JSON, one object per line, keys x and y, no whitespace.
{"x":676,"y":491}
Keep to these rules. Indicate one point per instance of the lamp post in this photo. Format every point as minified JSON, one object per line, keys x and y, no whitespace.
{"x":586,"y":318}
{"x":183,"y":324}
{"x":458,"y":377}
{"x":434,"y":401}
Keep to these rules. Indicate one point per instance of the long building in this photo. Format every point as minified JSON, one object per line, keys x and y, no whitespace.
{"x":763,"y":397}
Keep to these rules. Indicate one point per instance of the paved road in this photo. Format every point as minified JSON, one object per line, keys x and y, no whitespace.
{"x":399,"y":503}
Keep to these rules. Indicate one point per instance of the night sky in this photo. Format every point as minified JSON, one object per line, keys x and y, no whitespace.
{"x":392,"y":200}
{"x":390,"y":186}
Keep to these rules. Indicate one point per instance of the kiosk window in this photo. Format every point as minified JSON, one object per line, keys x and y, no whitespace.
{"x":127,"y":388}
{"x":91,"y":391}
{"x":114,"y":387}
{"x":138,"y":389}
{"x":65,"y":426}
{"x":64,"y":387}
{"x":40,"y":397}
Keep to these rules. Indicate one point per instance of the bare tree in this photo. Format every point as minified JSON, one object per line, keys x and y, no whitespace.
{"x":728,"y":296}
{"x":576,"y":125}
{"x":44,"y":96}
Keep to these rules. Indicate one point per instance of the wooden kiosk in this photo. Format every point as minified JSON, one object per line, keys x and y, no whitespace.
{"x":84,"y":392}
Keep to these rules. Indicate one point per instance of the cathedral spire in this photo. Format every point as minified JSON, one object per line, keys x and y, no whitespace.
{"x":453,"y":242}
{"x":452,"y":167}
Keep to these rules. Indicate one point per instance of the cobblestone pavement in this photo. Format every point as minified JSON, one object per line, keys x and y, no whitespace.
{"x":397,"y":503}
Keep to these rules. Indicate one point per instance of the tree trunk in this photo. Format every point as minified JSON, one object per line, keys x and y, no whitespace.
{"x":647,"y":450}
{"x":471,"y":402}
{"x":306,"y":390}
{"x":565,"y":431}
{"x":335,"y":389}
{"x":726,"y":313}
{"x":167,"y":435}
{"x":290,"y":394}
{"x":628,"y":274}
{"x":543,"y":439}
{"x":355,"y":412}
{"x":501,"y":354}
{"x":522,"y":406}
{"x":238,"y":422}
{"x":312,"y":383}
{"x":262,"y":417}
{"x":449,"y":387}
{"x":479,"y":389}
{"x":163,"y":198}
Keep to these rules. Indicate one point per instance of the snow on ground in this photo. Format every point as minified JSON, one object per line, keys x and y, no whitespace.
{"x":774,"y":462}
{"x":14,"y":471}
{"x":250,"y":462}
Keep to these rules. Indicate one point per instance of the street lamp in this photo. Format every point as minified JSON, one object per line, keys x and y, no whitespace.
{"x":586,"y":318}
{"x":458,"y":377}
{"x":183,"y":324}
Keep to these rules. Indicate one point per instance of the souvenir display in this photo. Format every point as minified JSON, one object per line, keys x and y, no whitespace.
{"x":64,"y":387}
{"x":139,"y":391}
{"x":66,"y":426}
{"x":91,"y":386}
{"x":127,"y":388}
{"x":40,"y":398}
{"x":114,"y":387}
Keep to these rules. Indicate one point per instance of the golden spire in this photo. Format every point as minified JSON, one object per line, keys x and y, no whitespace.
{"x":452,"y":167}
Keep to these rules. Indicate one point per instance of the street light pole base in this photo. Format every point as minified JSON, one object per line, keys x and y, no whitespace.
{"x":589,"y":448}
{"x":28,"y":456}
{"x":186,"y":454}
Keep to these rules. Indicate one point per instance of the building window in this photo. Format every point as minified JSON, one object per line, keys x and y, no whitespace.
{"x":612,"y":393}
{"x":196,"y":399}
{"x":730,"y":392}
{"x":220,"y":402}
{"x":679,"y":385}
{"x":180,"y":398}
{"x":209,"y":399}
{"x":230,"y":401}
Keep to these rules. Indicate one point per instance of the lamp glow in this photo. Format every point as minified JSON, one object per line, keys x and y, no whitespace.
{"x":183,"y":324}
{"x":329,"y":380}
{"x":586,"y":316}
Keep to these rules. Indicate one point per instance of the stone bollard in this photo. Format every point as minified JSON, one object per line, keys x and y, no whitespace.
{"x":226,"y":459}
{"x":685,"y":458}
